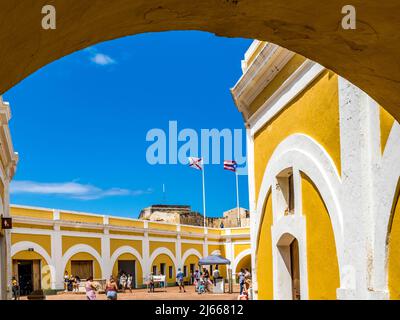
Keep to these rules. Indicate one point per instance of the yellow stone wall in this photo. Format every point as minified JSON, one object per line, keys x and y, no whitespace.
{"x":318,"y":104}
{"x":69,"y":241}
{"x":322,"y":262}
{"x":394,"y":252}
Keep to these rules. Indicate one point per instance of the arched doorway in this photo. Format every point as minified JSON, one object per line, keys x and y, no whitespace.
{"x":289,"y":267}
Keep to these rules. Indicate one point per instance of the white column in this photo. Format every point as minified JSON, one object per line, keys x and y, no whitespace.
{"x":57,"y":282}
{"x":178,"y":248}
{"x":146,"y":251}
{"x":105,"y":250}
{"x":205,"y":243}
{"x":359,"y":123}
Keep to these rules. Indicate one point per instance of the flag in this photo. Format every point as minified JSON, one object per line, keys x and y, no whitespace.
{"x":230,"y":165}
{"x":196,"y":163}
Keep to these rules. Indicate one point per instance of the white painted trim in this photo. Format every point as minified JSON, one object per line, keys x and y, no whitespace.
{"x":188,"y":253}
{"x":215,"y":252}
{"x":305,"y":154}
{"x":131,"y":250}
{"x":295,"y":225}
{"x":162,"y":250}
{"x":82,"y":248}
{"x":25,"y":245}
{"x":239,"y":257}
{"x":290,"y":89}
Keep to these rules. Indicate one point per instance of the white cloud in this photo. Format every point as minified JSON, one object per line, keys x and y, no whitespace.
{"x":102,"y":59}
{"x":99,"y":58}
{"x":71,"y":190}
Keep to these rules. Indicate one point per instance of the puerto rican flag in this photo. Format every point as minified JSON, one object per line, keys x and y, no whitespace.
{"x":196,"y":163}
{"x":230,"y":165}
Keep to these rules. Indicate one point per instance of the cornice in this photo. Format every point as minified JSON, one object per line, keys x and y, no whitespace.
{"x":268,"y":63}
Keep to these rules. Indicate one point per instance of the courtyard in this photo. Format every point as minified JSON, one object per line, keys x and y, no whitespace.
{"x":170,"y":293}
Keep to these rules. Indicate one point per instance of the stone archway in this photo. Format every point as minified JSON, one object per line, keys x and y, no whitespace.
{"x":366,"y":56}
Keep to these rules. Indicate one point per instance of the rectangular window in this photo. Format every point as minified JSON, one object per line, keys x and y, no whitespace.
{"x":170,"y":275}
{"x":154,"y":270}
{"x":192,"y":268}
{"x":185,"y":271}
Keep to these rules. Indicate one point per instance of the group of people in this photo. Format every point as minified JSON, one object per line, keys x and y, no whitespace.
{"x":125,"y":281}
{"x":202,"y":279}
{"x":71,"y":283}
{"x":244,"y":283}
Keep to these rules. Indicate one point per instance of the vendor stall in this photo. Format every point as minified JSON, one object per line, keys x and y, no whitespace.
{"x":218,"y":282}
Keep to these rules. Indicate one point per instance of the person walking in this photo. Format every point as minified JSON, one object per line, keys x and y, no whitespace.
{"x":197,"y":276}
{"x":179,"y":279}
{"x":129,"y":281}
{"x":241,"y":280}
{"x":90,"y":289}
{"x":151,"y":282}
{"x":111,"y":289}
{"x":15,"y":289}
{"x":66,"y":281}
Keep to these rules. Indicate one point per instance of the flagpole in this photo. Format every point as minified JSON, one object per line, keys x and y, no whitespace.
{"x":204,"y":194}
{"x":237,"y":199}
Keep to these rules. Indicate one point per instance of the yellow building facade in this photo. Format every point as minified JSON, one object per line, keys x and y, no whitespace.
{"x":323,"y":181}
{"x":46,"y":243}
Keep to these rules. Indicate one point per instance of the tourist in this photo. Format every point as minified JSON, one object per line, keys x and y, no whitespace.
{"x":151,"y":282}
{"x":180,"y":280}
{"x":15,"y":289}
{"x":247,"y":278}
{"x":241,"y":280}
{"x":216,"y":275}
{"x":70,"y":285}
{"x":122,"y":281}
{"x":162,"y":284}
{"x":66,"y":281}
{"x":90,"y":289}
{"x":129,"y":281}
{"x":206,"y":276}
{"x":197,"y":276}
{"x":77,"y":282}
{"x":111,"y":289}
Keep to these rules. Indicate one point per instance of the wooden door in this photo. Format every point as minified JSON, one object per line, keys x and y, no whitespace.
{"x":82,"y":268}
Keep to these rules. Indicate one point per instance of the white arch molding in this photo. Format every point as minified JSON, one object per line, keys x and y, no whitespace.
{"x":188,"y":253}
{"x":215,"y":252}
{"x":130,"y":250}
{"x":25,"y":245}
{"x":162,"y":250}
{"x":303,"y":153}
{"x":239,"y":257}
{"x":82,"y":248}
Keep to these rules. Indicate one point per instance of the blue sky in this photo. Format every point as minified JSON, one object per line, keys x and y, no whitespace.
{"x":80,"y":124}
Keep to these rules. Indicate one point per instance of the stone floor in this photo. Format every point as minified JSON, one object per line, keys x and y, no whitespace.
{"x":171,"y":293}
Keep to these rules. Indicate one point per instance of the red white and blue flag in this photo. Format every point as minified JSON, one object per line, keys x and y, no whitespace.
{"x":230,"y":165}
{"x":196,"y":163}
